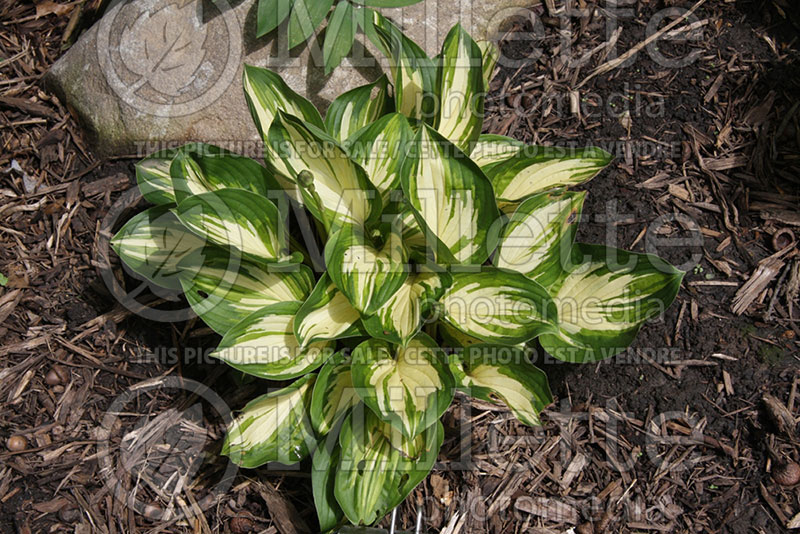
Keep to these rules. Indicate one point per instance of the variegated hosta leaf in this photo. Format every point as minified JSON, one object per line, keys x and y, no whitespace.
{"x":358,"y":108}
{"x":536,"y":168}
{"x":498,"y":372}
{"x":339,"y":191}
{"x":240,"y":219}
{"x":367,"y":276}
{"x":334,"y":394}
{"x":499,"y":306}
{"x":490,"y":54}
{"x":540,"y":234}
{"x":273,"y":428}
{"x":410,"y":387}
{"x":401,"y":318}
{"x":461,"y":90}
{"x":323,"y":482}
{"x":603,"y":299}
{"x":414,"y":73}
{"x":326,"y":314}
{"x":266,"y":95}
{"x":200,"y":168}
{"x":452,"y":199}
{"x":227,"y":289}
{"x":264,"y":345}
{"x":153,"y":178}
{"x":408,"y":447}
{"x":380,"y":149}
{"x":453,"y":338}
{"x":413,"y":237}
{"x":492,"y":149}
{"x":154,"y":242}
{"x":373,"y":476}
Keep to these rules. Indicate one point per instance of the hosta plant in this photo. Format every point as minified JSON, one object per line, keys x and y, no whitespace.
{"x":383,"y":258}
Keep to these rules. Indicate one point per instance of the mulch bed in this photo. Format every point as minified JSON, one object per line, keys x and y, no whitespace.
{"x":686,"y":432}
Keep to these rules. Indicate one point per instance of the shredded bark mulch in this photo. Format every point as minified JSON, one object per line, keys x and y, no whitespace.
{"x":691,"y":430}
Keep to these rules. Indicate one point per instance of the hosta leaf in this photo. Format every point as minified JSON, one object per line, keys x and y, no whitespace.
{"x":357,"y":108}
{"x":339,"y":35}
{"x":334,"y":394}
{"x":401,"y":318}
{"x":200,"y":168}
{"x":490,"y":54}
{"x":339,"y":192}
{"x":414,"y":73}
{"x":240,"y":219}
{"x":380,"y":149}
{"x":603,"y":299}
{"x":323,"y":479}
{"x":497,"y":372}
{"x":452,"y":199}
{"x":326,"y":314}
{"x":410,"y":389}
{"x":225,"y":290}
{"x":266,"y":95}
{"x":461,"y":90}
{"x":535,"y":169}
{"x":491,"y":149}
{"x":264,"y":345}
{"x":270,"y":14}
{"x":154,"y":242}
{"x":374,"y":476}
{"x":153,"y":178}
{"x":453,"y":338}
{"x":273,"y":428}
{"x":413,"y":237}
{"x":498,"y":306}
{"x":540,"y":234}
{"x":367,"y":276}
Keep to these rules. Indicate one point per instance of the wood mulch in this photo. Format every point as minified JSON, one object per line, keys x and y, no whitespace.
{"x":689,"y":431}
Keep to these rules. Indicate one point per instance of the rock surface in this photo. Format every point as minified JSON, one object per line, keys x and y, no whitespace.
{"x":156,"y":73}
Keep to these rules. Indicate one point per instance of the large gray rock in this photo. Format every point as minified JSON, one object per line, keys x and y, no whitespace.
{"x":153,"y":73}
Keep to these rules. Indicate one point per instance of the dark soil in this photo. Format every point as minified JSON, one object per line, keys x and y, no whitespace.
{"x":716,"y":162}
{"x":766,"y":351}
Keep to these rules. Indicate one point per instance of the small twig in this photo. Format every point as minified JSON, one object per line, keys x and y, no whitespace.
{"x":772,"y":504}
{"x":691,"y":363}
{"x":656,"y":364}
{"x":614,"y":63}
{"x":775,"y":295}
